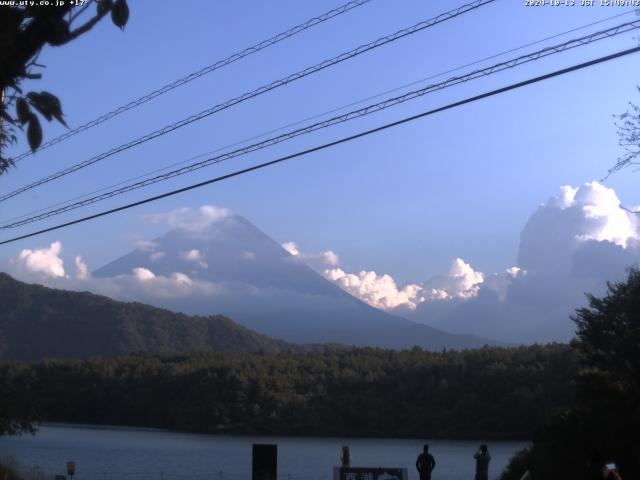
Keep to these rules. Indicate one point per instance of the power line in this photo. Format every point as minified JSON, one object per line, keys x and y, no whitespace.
{"x":246,"y":96}
{"x":200,"y":73}
{"x":373,"y":108}
{"x":333,"y":143}
{"x":319,"y":115}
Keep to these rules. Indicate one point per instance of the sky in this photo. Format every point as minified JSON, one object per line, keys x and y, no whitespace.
{"x":407,"y":202}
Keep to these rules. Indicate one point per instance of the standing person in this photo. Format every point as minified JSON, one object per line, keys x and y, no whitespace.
{"x":425,"y":464}
{"x":482,"y":463}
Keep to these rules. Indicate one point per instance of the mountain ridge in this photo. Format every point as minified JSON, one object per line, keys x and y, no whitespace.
{"x":39,"y":322}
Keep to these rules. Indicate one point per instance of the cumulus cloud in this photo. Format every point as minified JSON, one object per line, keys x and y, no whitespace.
{"x":461,"y":281}
{"x":572,"y":217}
{"x":382,"y":291}
{"x":379,"y":291}
{"x":143,"y":274}
{"x":190,"y":219}
{"x":327,"y":257}
{"x":43,"y":261}
{"x":573,"y":243}
{"x":82,"y":272}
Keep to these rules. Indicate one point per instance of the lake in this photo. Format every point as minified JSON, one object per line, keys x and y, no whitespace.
{"x":115,"y":453}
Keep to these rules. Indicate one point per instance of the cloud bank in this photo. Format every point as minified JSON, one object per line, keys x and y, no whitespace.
{"x":573,"y":243}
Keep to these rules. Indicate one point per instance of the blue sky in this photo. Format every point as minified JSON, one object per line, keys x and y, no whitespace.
{"x":406,"y":202}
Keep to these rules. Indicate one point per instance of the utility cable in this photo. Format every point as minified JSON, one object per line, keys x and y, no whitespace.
{"x":200,"y":73}
{"x":266,"y":88}
{"x":318,"y":115}
{"x":468,"y":100}
{"x":390,"y":102}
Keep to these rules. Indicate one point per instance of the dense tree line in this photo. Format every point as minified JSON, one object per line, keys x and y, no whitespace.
{"x":483,"y":393}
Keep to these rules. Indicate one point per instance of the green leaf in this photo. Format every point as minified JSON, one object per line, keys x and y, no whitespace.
{"x":34,"y":132}
{"x":120,"y":13}
{"x":22,"y":110}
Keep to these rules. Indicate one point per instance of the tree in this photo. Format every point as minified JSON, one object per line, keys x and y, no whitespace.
{"x":608,"y":339}
{"x":17,"y":402}
{"x":604,"y":420}
{"x":628,"y":137}
{"x":24,"y":31}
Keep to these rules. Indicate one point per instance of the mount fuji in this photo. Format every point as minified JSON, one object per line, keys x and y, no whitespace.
{"x":259,"y":284}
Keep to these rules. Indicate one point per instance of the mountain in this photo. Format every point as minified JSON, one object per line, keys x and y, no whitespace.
{"x":38,"y":322}
{"x":263,"y":287}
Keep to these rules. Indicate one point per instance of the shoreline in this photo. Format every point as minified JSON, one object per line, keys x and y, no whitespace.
{"x":239,"y":434}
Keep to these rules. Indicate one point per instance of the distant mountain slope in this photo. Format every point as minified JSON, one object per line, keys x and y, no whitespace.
{"x":268,"y":290}
{"x":38,"y":322}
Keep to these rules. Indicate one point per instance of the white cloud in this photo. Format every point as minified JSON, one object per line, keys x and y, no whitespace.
{"x":44,"y":261}
{"x":382,"y":291}
{"x":462,"y":281}
{"x":190,"y":219}
{"x":195,"y":256}
{"x":377,"y":291}
{"x":601,"y":209}
{"x":573,"y":243}
{"x":327,"y":257}
{"x":145,"y":245}
{"x":145,"y":285}
{"x":143,"y":274}
{"x":155,"y":256}
{"x":82,"y":272}
{"x":576,"y":215}
{"x":292,"y":248}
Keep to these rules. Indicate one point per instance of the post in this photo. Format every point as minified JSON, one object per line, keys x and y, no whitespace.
{"x":345,"y":458}
{"x":265,"y":462}
{"x":71,"y":469}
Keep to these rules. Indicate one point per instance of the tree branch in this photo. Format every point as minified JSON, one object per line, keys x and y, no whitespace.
{"x":86,"y":27}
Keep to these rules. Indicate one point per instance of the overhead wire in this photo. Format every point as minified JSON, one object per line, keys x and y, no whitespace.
{"x":318,"y":115}
{"x":254,"y":93}
{"x":324,"y":146}
{"x":312,"y":22}
{"x":387,"y":103}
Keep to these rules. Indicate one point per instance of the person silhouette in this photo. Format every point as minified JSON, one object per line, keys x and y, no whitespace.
{"x":425,"y":464}
{"x":482,"y":463}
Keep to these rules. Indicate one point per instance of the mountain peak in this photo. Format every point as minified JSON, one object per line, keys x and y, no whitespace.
{"x":262,"y":286}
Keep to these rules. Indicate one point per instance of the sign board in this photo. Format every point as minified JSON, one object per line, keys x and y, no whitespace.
{"x":71,"y":468}
{"x":369,"y":473}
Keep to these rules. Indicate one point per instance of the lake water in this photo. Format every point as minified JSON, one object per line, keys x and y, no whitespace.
{"x":113,"y":453}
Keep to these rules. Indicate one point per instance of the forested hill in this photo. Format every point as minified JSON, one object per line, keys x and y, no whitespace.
{"x":485,"y":393}
{"x":38,"y":322}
